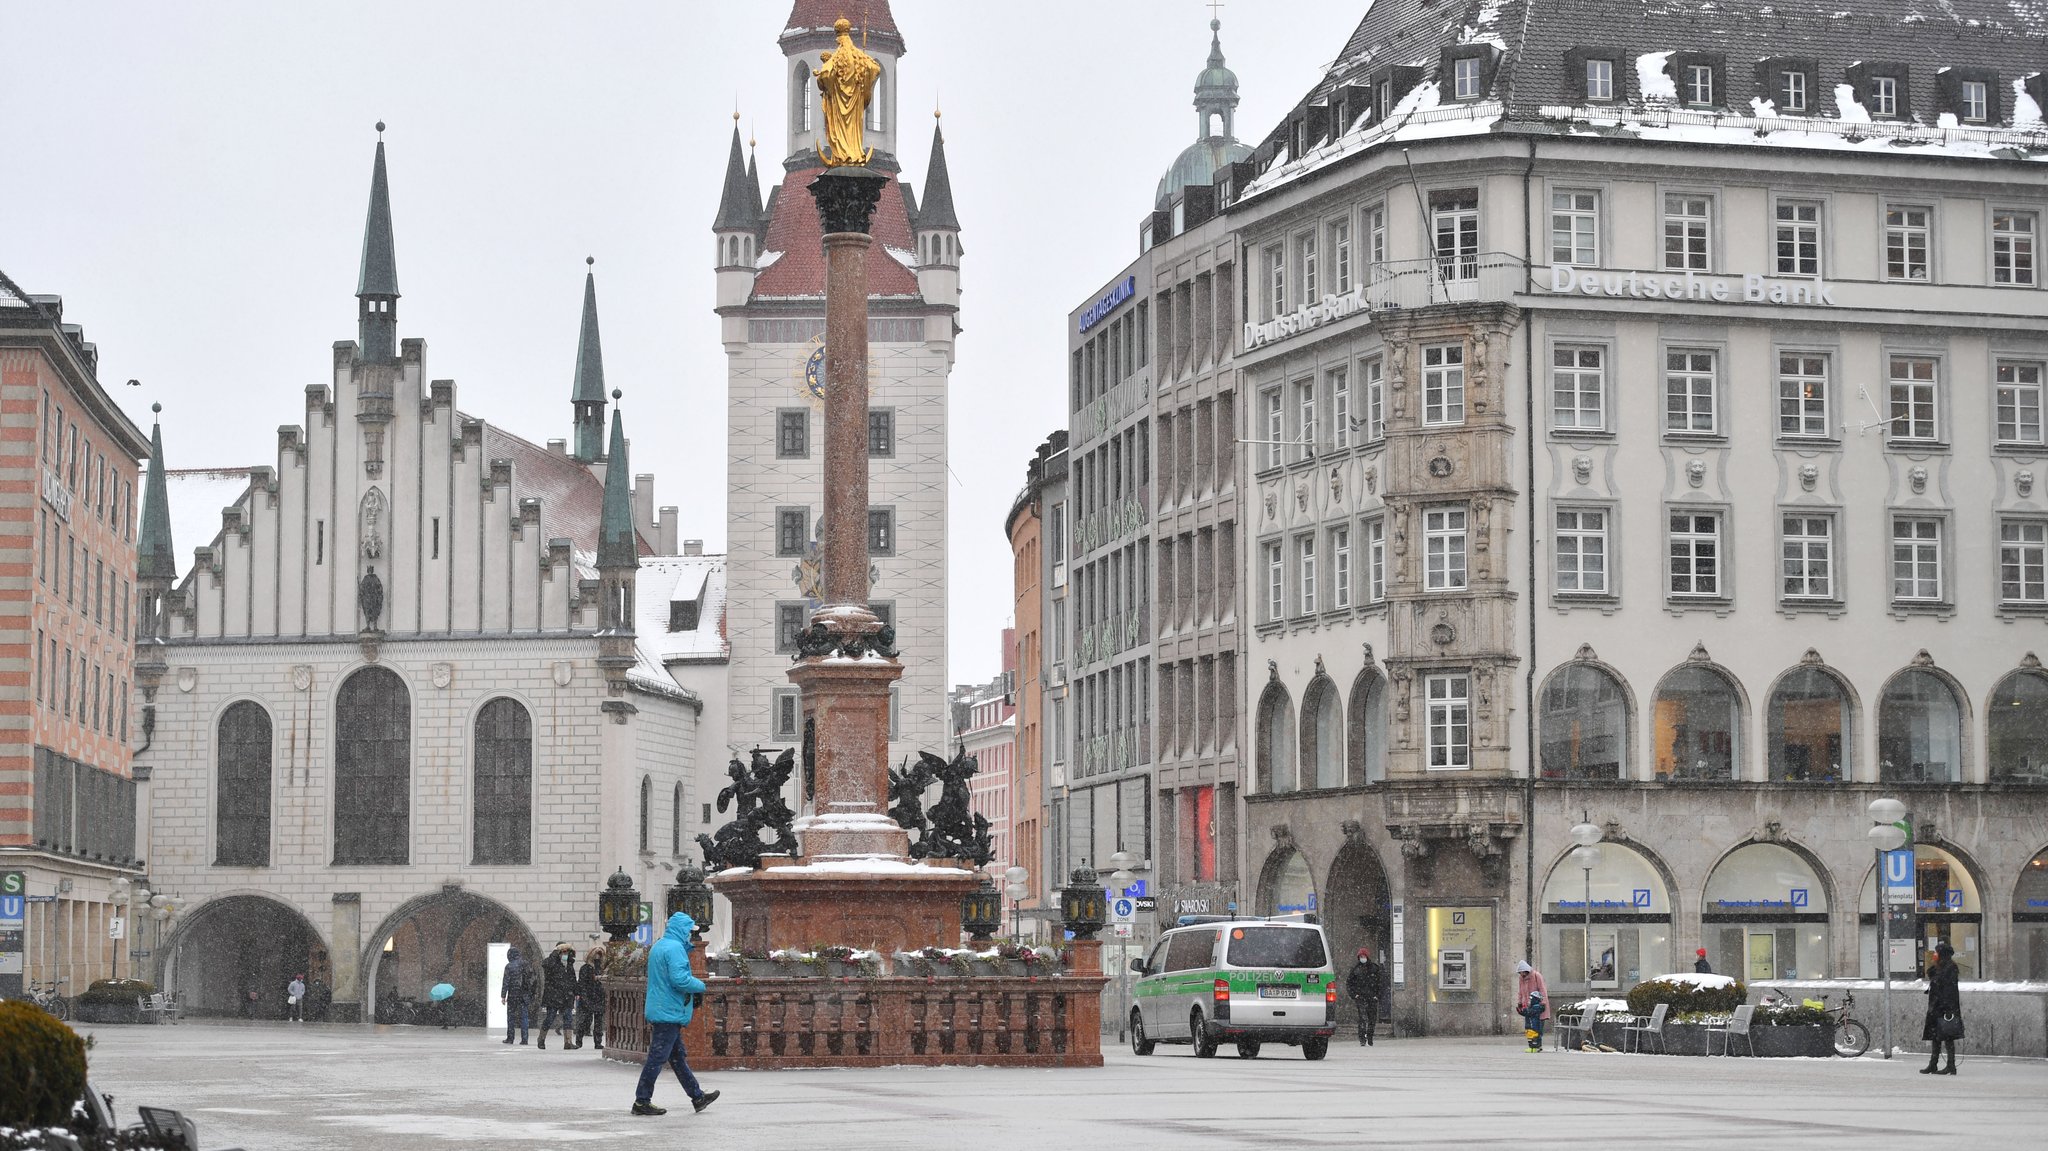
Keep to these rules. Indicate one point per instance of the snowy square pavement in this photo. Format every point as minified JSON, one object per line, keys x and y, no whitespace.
{"x":280,"y":1087}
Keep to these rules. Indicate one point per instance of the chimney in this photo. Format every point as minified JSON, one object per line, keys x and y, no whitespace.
{"x":558,"y":447}
{"x":667,"y":531}
{"x":643,"y":504}
{"x":693,"y":547}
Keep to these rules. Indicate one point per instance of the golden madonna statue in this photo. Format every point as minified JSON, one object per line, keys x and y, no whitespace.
{"x":844,"y":84}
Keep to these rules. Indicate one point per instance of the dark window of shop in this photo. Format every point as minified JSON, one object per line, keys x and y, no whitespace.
{"x":503,"y":831}
{"x":242,"y":801}
{"x":1696,"y":725}
{"x":1811,"y":727}
{"x":2016,"y":724}
{"x":372,"y":768}
{"x":1583,"y":725}
{"x":1919,"y":729}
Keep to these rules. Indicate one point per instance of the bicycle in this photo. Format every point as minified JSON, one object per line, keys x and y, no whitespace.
{"x":1851,"y":1037}
{"x":50,"y":999}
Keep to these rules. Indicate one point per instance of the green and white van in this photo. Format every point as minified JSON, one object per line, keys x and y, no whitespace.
{"x":1246,"y":982}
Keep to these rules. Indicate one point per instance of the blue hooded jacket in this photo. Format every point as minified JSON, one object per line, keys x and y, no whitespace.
{"x":672,"y":989}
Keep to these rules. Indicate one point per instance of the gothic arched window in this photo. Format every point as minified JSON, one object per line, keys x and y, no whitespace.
{"x":1322,"y":735}
{"x":1696,"y":725}
{"x":372,"y":768}
{"x":1919,"y":730}
{"x":800,"y":96}
{"x":2016,"y":728}
{"x":502,"y":831}
{"x":242,"y":797}
{"x":1366,"y":750}
{"x":1276,"y":772}
{"x":646,"y":812}
{"x":1812,"y":727}
{"x":1582,"y":724}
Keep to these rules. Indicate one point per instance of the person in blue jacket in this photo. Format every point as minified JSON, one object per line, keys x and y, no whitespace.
{"x":673,"y":992}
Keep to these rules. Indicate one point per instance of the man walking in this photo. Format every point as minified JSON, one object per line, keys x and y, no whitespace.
{"x":1700,"y":965}
{"x":590,"y":999}
{"x":1364,"y":985}
{"x":295,"y":998}
{"x":514,"y":993}
{"x":673,"y":991}
{"x":558,"y":992}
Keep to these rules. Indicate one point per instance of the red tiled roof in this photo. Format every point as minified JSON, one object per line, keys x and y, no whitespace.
{"x":571,"y":496}
{"x":874,"y":15}
{"x":794,"y":231}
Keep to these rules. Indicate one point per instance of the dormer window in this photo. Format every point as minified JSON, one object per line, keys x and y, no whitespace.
{"x":1465,"y":78}
{"x":1382,"y":99}
{"x":1600,"y":80}
{"x":1699,"y":85}
{"x":1884,"y":96}
{"x":1976,"y":103}
{"x":1792,"y":92}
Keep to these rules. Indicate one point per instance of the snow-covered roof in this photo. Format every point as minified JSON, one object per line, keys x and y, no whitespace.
{"x":665,"y":581}
{"x":197,"y":496}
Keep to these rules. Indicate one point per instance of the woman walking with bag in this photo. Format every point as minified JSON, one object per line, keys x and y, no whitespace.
{"x":1944,"y":1009}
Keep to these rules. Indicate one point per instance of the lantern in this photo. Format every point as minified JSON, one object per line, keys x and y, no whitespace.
{"x":981,"y":911}
{"x":1083,"y":905}
{"x":618,"y":907}
{"x":691,"y":896}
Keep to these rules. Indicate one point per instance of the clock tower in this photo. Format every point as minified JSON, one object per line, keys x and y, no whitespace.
{"x":770,"y":271}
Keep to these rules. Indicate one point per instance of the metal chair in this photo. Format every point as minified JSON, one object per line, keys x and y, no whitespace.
{"x":1640,"y":1028}
{"x":1582,"y":1025}
{"x":1738,"y":1024}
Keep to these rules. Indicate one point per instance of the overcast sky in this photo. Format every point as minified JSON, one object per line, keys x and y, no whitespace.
{"x":191,"y":178}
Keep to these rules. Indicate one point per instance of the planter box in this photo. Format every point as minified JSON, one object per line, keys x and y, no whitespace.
{"x":1812,"y":1040}
{"x":85,"y":1012}
{"x":1687,"y":1039}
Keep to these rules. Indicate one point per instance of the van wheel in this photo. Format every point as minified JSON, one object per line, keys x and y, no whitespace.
{"x":1205,"y":1044}
{"x":1247,"y":1049}
{"x":1140,"y":1043}
{"x":1315,"y":1048}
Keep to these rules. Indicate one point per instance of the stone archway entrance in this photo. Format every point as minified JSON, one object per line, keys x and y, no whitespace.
{"x":439,"y":938}
{"x":234,"y":955}
{"x":1358,"y":913}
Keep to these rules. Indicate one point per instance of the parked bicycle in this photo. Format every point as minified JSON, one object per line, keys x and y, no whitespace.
{"x":1851,"y":1037}
{"x":50,"y":998}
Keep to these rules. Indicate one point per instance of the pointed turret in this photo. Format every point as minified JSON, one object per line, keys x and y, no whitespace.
{"x":377,"y":281}
{"x":754,"y":185}
{"x":739,"y":205}
{"x":618,"y":563}
{"x":155,"y":556}
{"x":738,"y":226}
{"x":937,"y":209}
{"x":936,"y":230}
{"x":587,"y":396}
{"x":618,"y":545}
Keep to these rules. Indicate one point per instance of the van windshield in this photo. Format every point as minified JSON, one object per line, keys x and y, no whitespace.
{"x":1276,"y":947}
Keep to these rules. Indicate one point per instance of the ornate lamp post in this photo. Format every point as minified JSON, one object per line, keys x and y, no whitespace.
{"x":1082,"y":905}
{"x":981,"y":911}
{"x":1016,"y":889}
{"x":691,"y":896}
{"x":618,"y":907}
{"x":1886,"y":834}
{"x":1586,"y":855}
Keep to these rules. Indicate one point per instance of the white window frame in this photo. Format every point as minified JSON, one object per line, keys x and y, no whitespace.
{"x":1809,"y":415}
{"x":1688,"y":234}
{"x":1884,"y":96}
{"x":1443,"y":385}
{"x":2017,"y":401}
{"x":1374,"y":371}
{"x":1575,"y":227}
{"x":1699,"y":85}
{"x":2014,"y":248}
{"x":1455,"y":226}
{"x":1341,"y":277}
{"x":1305,"y":259}
{"x":1976,"y":101}
{"x":1305,"y":574}
{"x":1909,"y":243}
{"x":1792,"y":94}
{"x":1913,"y":397}
{"x":1578,"y":388}
{"x":1376,"y":560}
{"x":1599,"y":80}
{"x":1340,"y":407}
{"x":1796,"y":237}
{"x":2023,"y":561}
{"x":1305,"y":418}
{"x":1917,"y":575}
{"x":1276,"y":581}
{"x":1447,"y":698}
{"x":1340,"y":567}
{"x":1806,"y":556}
{"x":1465,"y":78}
{"x":1581,"y":536}
{"x":1375,"y":219}
{"x":1444,"y":543}
{"x":1275,"y":256}
{"x":1272,"y":406}
{"x":1692,"y":381}
{"x":1683,"y":551}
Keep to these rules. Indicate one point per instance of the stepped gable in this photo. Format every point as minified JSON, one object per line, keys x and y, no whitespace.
{"x":795,"y":239}
{"x":571,"y":498}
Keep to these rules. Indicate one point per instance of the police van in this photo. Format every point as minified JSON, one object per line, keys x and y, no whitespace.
{"x":1246,"y":982}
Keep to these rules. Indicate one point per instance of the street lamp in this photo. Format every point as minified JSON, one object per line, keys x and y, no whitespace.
{"x":618,"y":907}
{"x":1082,"y":905}
{"x":691,"y":896}
{"x":981,"y":910}
{"x":1015,"y":888}
{"x":1886,"y":834}
{"x":1586,"y":855}
{"x":1120,"y":881}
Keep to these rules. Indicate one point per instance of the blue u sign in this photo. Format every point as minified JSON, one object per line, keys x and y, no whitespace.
{"x":1898,"y":868}
{"x":12,"y":906}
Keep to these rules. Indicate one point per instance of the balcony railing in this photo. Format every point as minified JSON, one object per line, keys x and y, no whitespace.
{"x":1448,"y":278}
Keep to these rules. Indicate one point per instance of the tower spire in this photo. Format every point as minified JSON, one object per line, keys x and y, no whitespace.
{"x":1216,"y":90}
{"x":617,"y":542}
{"x":587,"y":395}
{"x":377,"y":280}
{"x":739,"y":204}
{"x":155,"y":556}
{"x":937,"y":209}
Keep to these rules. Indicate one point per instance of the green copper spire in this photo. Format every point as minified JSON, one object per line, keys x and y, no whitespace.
{"x":618,"y":546}
{"x":156,"y":558}
{"x":587,"y":396}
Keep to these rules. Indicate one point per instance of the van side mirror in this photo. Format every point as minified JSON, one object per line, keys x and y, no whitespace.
{"x":1138,"y":965}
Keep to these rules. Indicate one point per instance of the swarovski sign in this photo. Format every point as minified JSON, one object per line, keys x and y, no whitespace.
{"x":1305,"y":318}
{"x":57,"y":495}
{"x":1749,"y":288}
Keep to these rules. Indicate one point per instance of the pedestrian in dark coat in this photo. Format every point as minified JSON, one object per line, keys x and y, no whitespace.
{"x":590,"y":999}
{"x":515,"y":992}
{"x":1944,"y":1009}
{"x":1364,"y":984}
{"x":1700,"y":965}
{"x":558,"y":992}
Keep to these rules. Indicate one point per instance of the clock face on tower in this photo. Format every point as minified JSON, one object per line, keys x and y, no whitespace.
{"x":810,"y":378}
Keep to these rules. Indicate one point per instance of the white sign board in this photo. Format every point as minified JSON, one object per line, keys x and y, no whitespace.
{"x":1120,"y":930}
{"x":1122,"y":909}
{"x":116,"y":927}
{"x":1398,"y":915}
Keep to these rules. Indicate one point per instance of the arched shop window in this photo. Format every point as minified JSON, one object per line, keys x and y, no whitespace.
{"x":1765,"y":915}
{"x":2016,"y":727}
{"x":1946,"y":905}
{"x":1366,"y":750}
{"x":1322,"y":735}
{"x":1584,"y":724}
{"x":2030,"y":920}
{"x":1631,"y":928}
{"x":1276,"y":740}
{"x":1696,"y":725}
{"x":1919,"y":730}
{"x":1289,"y":888}
{"x":1812,"y":727}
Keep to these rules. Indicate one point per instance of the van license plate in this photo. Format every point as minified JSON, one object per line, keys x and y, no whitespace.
{"x":1281,"y":992}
